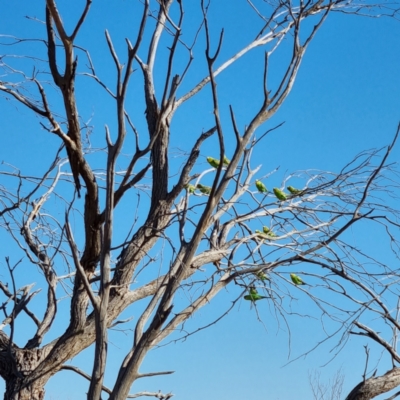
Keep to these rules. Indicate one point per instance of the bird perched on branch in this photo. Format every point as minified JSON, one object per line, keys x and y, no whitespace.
{"x":261,"y":187}
{"x":253,"y":295}
{"x":293,"y":190}
{"x":190,"y":188}
{"x":297,"y":280}
{"x":268,"y":231}
{"x":280,"y":194}
{"x":262,"y":276}
{"x":226,"y":160}
{"x":204,"y":189}
{"x":261,"y":235}
{"x":215,"y":163}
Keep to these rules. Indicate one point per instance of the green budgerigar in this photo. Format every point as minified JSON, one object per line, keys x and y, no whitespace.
{"x":261,"y":187}
{"x":253,"y":295}
{"x":213,"y":162}
{"x":262,"y":276}
{"x":280,"y":194}
{"x":297,"y":280}
{"x":262,"y":235}
{"x":293,"y":190}
{"x":190,"y":188}
{"x":204,"y":189}
{"x":268,"y":231}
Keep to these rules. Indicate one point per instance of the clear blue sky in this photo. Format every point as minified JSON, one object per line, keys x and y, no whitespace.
{"x":345,"y":100}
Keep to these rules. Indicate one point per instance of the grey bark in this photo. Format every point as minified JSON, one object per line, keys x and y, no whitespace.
{"x":375,"y":386}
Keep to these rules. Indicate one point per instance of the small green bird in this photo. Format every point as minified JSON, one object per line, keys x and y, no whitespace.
{"x":293,"y":190}
{"x":260,"y":234}
{"x":190,"y":188}
{"x":262,"y":276}
{"x":213,"y":162}
{"x":204,"y":189}
{"x":261,"y":187}
{"x":280,"y":194}
{"x":268,"y":231}
{"x":253,"y":295}
{"x":297,"y":280}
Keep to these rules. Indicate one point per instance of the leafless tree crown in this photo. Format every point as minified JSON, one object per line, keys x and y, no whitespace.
{"x":110,"y":224}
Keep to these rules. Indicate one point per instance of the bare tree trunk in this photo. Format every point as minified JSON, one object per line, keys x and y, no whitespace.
{"x":20,"y":363}
{"x":16,"y":390}
{"x":375,"y":386}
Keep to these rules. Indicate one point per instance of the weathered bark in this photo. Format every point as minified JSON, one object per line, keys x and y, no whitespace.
{"x":17,"y":365}
{"x":16,"y":390}
{"x":78,"y":163}
{"x":375,"y":386}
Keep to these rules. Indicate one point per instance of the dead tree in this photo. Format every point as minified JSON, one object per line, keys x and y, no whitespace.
{"x":211,"y":215}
